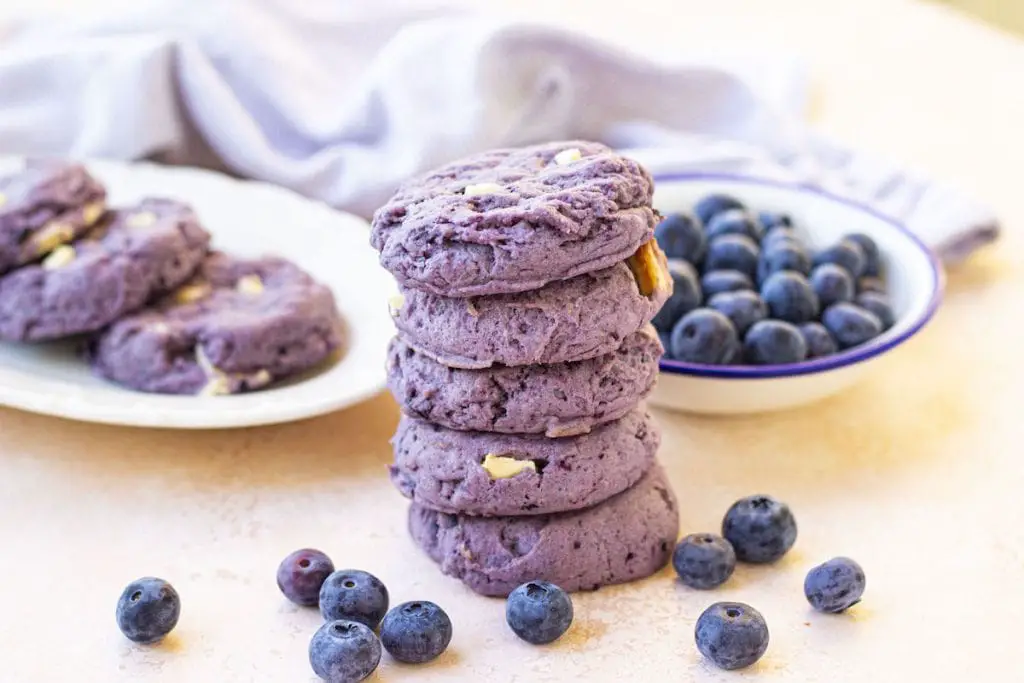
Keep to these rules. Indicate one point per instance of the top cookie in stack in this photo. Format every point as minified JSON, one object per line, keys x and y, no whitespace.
{"x":528,"y":279}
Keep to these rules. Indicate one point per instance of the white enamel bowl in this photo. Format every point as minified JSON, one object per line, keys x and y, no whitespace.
{"x":913,"y":276}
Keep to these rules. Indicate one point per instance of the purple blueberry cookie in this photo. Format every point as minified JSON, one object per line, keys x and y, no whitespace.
{"x":131,"y":256}
{"x":563,"y":399}
{"x":44,"y":206}
{"x":512,"y":220}
{"x":626,"y":538}
{"x":236,"y":326}
{"x":567,"y":320}
{"x":482,"y":473}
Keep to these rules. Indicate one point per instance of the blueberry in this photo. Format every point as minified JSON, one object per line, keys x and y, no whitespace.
{"x":774,"y":342}
{"x":743,"y":308}
{"x":771,"y":220}
{"x":301,"y":574}
{"x":704,"y":336}
{"x":872,"y":258}
{"x":819,"y":342}
{"x":713,"y":204}
{"x":686,"y":295}
{"x":850,"y":324}
{"x":344,"y":651}
{"x":680,"y":236}
{"x":790,"y":297}
{"x":835,"y":586}
{"x":879,"y":305}
{"x":732,"y":635}
{"x":870,"y":284}
{"x":148,"y":610}
{"x":354,"y":595}
{"x":416,"y":632}
{"x":704,"y":561}
{"x":539,"y":612}
{"x":718,"y":281}
{"x":760,"y":528}
{"x":732,"y":252}
{"x":734,"y":222}
{"x":783,"y":255}
{"x":845,"y":253}
{"x":782,"y":235}
{"x":832,"y":284}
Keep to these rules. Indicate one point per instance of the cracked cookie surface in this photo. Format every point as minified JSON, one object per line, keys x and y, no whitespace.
{"x":628,"y":537}
{"x":238,"y":325}
{"x":480,"y":473}
{"x":512,"y":220}
{"x":113,"y":270}
{"x":43,"y":206}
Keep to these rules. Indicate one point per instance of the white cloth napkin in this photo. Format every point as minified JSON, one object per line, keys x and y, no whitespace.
{"x":343,"y":100}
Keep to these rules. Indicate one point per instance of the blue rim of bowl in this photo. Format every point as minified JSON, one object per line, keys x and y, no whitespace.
{"x":839,"y":360}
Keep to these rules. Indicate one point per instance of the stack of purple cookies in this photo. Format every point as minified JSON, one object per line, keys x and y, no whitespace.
{"x":528,"y":281}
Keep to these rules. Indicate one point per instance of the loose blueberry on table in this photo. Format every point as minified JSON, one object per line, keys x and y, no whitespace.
{"x":344,"y":651}
{"x":354,"y":595}
{"x":704,"y":561}
{"x":760,"y":528}
{"x":148,"y":610}
{"x":732,"y":635}
{"x":301,"y":575}
{"x":835,"y":586}
{"x":744,"y":262}
{"x":416,"y":632}
{"x":539,"y":612}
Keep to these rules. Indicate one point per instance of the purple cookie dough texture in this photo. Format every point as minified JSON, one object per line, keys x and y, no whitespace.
{"x":237,"y":326}
{"x":626,"y":538}
{"x":536,"y":220}
{"x":43,"y":206}
{"x":568,"y":320}
{"x":131,"y":256}
{"x":557,"y":400}
{"x":481,"y":473}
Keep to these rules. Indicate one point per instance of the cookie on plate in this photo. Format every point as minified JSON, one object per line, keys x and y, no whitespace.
{"x":482,"y":473}
{"x":627,"y":537}
{"x":567,"y":320}
{"x":562,"y":399}
{"x":512,"y":220}
{"x":132,"y":255}
{"x":237,"y":326}
{"x":43,"y":206}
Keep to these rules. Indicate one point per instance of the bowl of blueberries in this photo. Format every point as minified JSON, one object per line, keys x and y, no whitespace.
{"x":783,"y":294}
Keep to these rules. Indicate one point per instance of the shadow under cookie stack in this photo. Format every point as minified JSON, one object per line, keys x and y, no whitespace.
{"x":524,"y":351}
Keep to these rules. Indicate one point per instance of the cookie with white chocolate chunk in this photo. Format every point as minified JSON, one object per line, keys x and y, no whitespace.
{"x":237,"y":326}
{"x":512,"y":220}
{"x":481,"y":473}
{"x":131,"y":256}
{"x":43,"y":206}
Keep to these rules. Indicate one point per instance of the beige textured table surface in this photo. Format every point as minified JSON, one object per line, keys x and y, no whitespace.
{"x":917,"y":472}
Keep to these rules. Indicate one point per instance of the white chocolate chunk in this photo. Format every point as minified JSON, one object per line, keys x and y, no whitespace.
{"x":395,"y":304}
{"x":160,"y":328}
{"x":92,"y":212}
{"x":250,"y":284}
{"x":260,"y":378}
{"x":219,"y":383}
{"x":142,"y":219}
{"x":504,"y":467}
{"x":567,"y":156}
{"x":217,"y":386}
{"x":59,"y":257}
{"x":191,"y":293}
{"x":482,"y":188}
{"x":3,"y":199}
{"x":52,"y":236}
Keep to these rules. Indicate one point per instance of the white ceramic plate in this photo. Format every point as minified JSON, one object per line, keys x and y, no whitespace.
{"x":248,"y":219}
{"x":913,"y":277}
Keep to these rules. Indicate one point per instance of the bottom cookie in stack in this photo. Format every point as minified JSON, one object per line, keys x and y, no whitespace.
{"x":625,"y":538}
